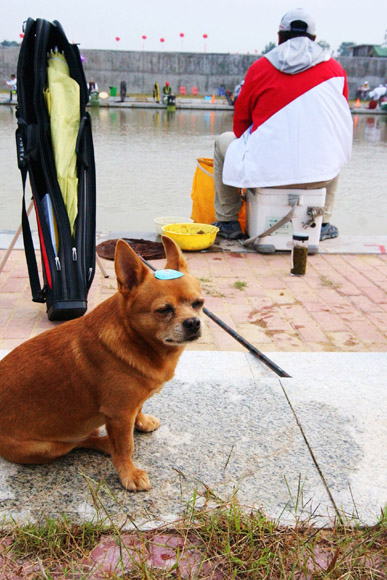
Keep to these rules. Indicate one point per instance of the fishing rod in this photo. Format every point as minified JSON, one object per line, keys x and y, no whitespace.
{"x":251,"y":348}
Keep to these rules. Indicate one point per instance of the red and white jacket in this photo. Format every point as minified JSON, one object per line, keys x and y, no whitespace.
{"x":292,"y":120}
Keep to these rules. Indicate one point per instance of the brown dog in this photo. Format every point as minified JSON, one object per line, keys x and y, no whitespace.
{"x":58,"y":388}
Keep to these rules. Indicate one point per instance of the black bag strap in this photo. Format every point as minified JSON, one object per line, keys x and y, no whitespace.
{"x":38,"y":293}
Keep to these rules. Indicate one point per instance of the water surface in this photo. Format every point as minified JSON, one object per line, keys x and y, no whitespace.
{"x":146,"y":160}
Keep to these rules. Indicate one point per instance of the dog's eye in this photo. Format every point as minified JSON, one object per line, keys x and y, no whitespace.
{"x":197,"y":304}
{"x":167,"y":309}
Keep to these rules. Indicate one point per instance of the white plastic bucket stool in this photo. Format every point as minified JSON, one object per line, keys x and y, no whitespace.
{"x":266,"y":207}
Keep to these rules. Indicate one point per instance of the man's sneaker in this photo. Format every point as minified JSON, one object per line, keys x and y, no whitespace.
{"x":328,"y":231}
{"x":230,"y":230}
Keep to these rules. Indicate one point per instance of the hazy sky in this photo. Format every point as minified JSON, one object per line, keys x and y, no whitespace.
{"x":231,"y":25}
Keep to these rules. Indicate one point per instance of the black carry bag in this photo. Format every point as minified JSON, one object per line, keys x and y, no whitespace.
{"x":67,"y":249}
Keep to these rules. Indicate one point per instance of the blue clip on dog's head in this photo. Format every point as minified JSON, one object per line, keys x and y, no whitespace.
{"x":168,"y":274}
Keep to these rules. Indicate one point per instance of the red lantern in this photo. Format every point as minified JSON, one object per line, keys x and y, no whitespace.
{"x":205,"y":36}
{"x":118,"y":38}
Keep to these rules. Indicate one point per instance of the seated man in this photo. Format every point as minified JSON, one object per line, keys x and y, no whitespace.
{"x":292,"y":125}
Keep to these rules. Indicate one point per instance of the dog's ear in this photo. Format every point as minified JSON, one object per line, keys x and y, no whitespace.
{"x":130,"y":270}
{"x":175,"y":259}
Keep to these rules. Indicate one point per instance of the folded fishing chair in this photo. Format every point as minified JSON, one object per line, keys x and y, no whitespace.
{"x":55,"y":149}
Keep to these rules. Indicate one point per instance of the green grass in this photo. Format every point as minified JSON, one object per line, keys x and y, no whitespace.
{"x":325,"y":281}
{"x":239,"y":285}
{"x":240,"y":543}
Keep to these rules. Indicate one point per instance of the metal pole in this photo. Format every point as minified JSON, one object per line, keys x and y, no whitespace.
{"x":14,"y":240}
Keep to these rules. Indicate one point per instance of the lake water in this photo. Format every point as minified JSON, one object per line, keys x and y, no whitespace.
{"x":146,"y":161}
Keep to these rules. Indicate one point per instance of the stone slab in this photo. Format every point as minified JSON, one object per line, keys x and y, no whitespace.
{"x":328,"y":366}
{"x":217,"y":437}
{"x":227,"y":425}
{"x":344,"y":421}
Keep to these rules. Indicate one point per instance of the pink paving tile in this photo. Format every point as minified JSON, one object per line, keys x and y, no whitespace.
{"x":239,"y":312}
{"x":368,"y":332}
{"x":286,"y":342}
{"x":332,"y":298}
{"x":312,"y":304}
{"x":20,"y":272}
{"x":5,"y":314}
{"x":359,"y":280}
{"x":377,"y":274}
{"x":345,"y":341}
{"x":376,"y":347}
{"x":348,"y":289}
{"x":319,"y":347}
{"x":281,"y":295}
{"x":259,"y":302}
{"x":256,"y":336}
{"x":330,"y":321}
{"x":373,"y":259}
{"x":224,"y":341}
{"x":11,"y":343}
{"x":376,"y":294}
{"x":281,"y":264}
{"x":380,"y":321}
{"x":17,"y":328}
{"x":236,"y":262}
{"x":14,"y":285}
{"x":273,"y":282}
{"x":277,"y":323}
{"x":215,"y":304}
{"x":365,"y":304}
{"x":310,"y":332}
{"x":298,"y":284}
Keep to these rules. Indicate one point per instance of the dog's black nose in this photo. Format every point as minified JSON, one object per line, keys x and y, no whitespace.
{"x":192,"y":324}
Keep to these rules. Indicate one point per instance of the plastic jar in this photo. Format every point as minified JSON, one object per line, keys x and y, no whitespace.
{"x":299,"y":254}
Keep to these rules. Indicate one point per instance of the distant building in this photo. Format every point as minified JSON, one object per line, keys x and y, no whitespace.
{"x":368,"y":50}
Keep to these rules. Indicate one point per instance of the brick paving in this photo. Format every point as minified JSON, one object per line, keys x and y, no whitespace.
{"x":340,"y":305}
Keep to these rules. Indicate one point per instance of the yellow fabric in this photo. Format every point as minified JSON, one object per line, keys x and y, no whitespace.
{"x":156,"y":92}
{"x":63,"y":102}
{"x":203,"y":194}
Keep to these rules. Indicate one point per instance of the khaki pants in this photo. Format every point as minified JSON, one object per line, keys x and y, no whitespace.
{"x":227,"y":199}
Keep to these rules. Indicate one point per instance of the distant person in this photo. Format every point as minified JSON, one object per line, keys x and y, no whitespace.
{"x":292,"y":125}
{"x":363,"y":91}
{"x":156,"y":92}
{"x":222,"y":91}
{"x":237,"y":90}
{"x":167,"y":90}
{"x":378,"y":94}
{"x":12,"y":85}
{"x":92,"y":86}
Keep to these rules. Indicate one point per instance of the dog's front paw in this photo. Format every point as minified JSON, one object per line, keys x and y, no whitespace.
{"x":146,"y":423}
{"x":136,"y":480}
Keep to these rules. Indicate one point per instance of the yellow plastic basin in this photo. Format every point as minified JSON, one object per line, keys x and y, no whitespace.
{"x":191,"y":236}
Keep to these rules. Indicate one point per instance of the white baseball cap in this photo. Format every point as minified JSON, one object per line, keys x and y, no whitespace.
{"x":298,"y":15}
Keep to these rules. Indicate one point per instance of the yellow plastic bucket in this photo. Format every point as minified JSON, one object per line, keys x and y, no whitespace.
{"x":191,"y":236}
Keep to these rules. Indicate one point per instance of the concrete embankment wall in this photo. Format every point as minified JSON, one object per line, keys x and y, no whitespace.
{"x":207,"y":71}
